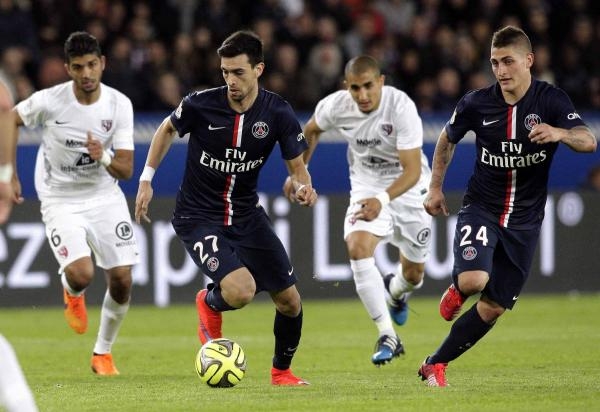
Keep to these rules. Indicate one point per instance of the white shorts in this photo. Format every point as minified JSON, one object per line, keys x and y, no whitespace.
{"x":406,"y":227}
{"x":102,"y":224}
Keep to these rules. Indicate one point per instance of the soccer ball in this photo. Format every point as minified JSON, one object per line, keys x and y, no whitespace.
{"x":221,"y":363}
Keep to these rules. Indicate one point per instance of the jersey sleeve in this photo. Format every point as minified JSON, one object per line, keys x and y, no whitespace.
{"x":182,"y":117}
{"x":410,"y":127}
{"x":324,"y":113}
{"x":123,"y":136}
{"x":33,"y":109}
{"x":564,"y":114}
{"x":291,"y":138}
{"x":461,"y":121}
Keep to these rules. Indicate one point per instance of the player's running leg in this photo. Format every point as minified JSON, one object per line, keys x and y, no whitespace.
{"x":75,"y":310}
{"x":15,"y":394}
{"x":371,"y":290}
{"x":287,"y":329}
{"x":112,"y":315}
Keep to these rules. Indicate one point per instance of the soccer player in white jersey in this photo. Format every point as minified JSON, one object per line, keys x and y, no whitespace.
{"x":389,"y":176}
{"x":87,"y":146}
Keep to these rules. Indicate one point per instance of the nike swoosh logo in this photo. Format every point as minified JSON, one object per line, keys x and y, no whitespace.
{"x":211,"y":127}
{"x":515,"y":297}
{"x":290,"y":272}
{"x":57,"y":122}
{"x":488,"y":123}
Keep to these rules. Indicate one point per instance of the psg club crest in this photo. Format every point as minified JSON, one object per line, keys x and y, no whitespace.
{"x":260,"y":130}
{"x":106,"y":125}
{"x":531,"y":120}
{"x":469,"y":253}
{"x":212,"y":263}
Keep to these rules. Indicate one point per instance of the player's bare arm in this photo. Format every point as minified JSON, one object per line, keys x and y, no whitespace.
{"x":435,"y":202}
{"x":300,"y":179}
{"x":411,"y":172}
{"x":579,"y":138}
{"x":161,"y":142}
{"x":312,"y":132}
{"x":6,"y":153}
{"x":17,"y":194}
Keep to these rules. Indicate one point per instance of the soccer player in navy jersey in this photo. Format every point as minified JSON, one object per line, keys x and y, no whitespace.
{"x":232,"y":131}
{"x":518,"y":124}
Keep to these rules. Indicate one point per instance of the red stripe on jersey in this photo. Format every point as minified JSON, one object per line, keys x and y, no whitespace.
{"x":230,"y":181}
{"x":511,"y":175}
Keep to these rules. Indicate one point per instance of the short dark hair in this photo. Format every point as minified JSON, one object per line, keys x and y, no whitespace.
{"x":511,"y":36}
{"x":243,"y":42}
{"x":361,"y":64}
{"x":81,"y":43}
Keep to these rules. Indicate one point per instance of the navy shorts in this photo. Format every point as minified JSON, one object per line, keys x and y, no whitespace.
{"x":480,"y":243}
{"x":219,"y":250}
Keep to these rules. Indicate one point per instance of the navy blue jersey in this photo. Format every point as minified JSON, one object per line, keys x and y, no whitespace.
{"x":226,"y":151}
{"x":510,"y":178}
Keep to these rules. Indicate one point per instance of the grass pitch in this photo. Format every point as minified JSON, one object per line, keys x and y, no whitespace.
{"x":543,"y":356}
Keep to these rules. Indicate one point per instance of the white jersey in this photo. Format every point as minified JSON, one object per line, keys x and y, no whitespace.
{"x":375,"y":138}
{"x":64,"y":169}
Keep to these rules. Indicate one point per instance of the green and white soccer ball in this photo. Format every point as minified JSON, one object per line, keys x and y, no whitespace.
{"x":221,"y":363}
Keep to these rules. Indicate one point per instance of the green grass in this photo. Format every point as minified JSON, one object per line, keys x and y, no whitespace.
{"x":543,"y":356}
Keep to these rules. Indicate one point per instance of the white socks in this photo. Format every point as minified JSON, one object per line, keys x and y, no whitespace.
{"x":370,"y":289}
{"x":15,"y":395}
{"x":70,"y":291}
{"x":111,"y":317}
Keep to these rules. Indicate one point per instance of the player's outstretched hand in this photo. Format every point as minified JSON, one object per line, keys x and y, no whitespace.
{"x":435,"y":203}
{"x":306,"y":195}
{"x":142,"y":200}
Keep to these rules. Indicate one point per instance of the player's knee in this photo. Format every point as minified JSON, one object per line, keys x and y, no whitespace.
{"x":238,"y":295}
{"x":358,"y":249}
{"x":290,"y":307}
{"x":119,"y":283}
{"x":288,"y":302}
{"x":244,"y":297}
{"x":79,"y":275}
{"x":470,"y":283}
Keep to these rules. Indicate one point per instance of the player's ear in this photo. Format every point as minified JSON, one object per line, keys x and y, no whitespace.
{"x":259,"y":68}
{"x":529,"y":60}
{"x":103,"y":61}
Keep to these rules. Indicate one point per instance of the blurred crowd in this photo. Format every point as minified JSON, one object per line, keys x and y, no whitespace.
{"x":435,"y":50}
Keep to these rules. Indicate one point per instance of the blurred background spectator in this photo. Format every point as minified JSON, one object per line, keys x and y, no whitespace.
{"x":435,"y":50}
{"x":592,"y":182}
